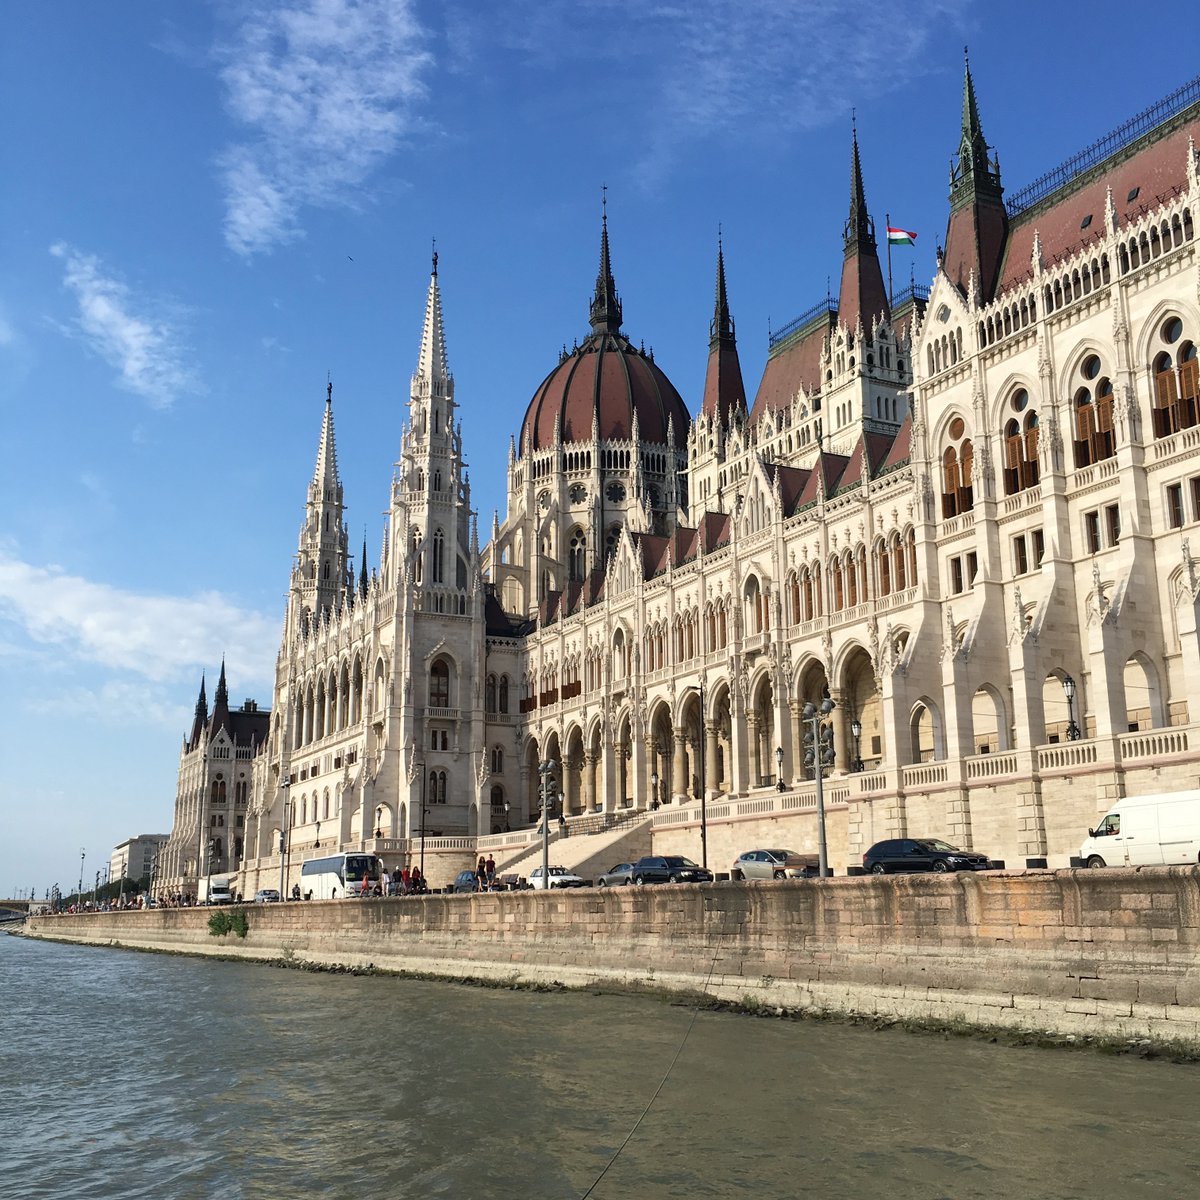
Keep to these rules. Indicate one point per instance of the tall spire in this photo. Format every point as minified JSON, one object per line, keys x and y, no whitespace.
{"x":862,"y":296}
{"x":220,"y":715}
{"x":860,"y":229}
{"x":978,"y":227}
{"x":605,"y":312}
{"x":976,"y":173}
{"x":721,"y":328}
{"x":724,"y":391}
{"x":326,"y":473}
{"x":431,"y":363}
{"x":200,"y":720}
{"x":362,"y":574}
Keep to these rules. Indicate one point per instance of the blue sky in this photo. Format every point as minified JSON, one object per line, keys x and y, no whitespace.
{"x":208,"y":208}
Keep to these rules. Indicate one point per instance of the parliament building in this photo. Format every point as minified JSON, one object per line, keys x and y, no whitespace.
{"x":960,"y":513}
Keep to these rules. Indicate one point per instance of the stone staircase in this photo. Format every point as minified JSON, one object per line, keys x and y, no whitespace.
{"x":586,"y":854}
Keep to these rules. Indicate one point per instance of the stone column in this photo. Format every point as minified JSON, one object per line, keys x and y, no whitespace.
{"x":843,"y":743}
{"x":679,"y":781}
{"x":710,"y":760}
{"x":589,"y":781}
{"x":754,"y":746}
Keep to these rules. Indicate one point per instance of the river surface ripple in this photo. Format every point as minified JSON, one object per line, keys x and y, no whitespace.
{"x":129,"y":1075}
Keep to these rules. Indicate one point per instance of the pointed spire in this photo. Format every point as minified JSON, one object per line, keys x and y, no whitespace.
{"x":200,"y":720}
{"x":362,"y":574}
{"x":605,"y":312}
{"x":326,"y":473}
{"x":724,"y":391}
{"x":721,"y":329}
{"x":862,"y":297}
{"x":970,"y":118}
{"x":220,"y":713}
{"x":978,"y":227}
{"x":431,"y":363}
{"x":860,"y":229}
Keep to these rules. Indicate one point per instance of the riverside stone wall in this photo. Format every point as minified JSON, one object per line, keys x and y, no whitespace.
{"x":1112,"y":952}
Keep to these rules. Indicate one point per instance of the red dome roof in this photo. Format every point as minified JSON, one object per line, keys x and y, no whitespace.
{"x":607,"y":380}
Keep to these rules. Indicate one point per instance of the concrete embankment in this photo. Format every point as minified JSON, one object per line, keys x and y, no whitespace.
{"x":1111,"y":953}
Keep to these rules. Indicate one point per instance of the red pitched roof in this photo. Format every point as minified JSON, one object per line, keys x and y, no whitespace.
{"x":1156,"y":166}
{"x":797,"y":364}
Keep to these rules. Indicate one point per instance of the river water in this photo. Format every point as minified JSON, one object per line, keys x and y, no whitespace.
{"x":138,"y":1075}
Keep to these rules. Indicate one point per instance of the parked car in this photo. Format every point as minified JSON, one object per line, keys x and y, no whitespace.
{"x":1142,"y":831}
{"x":774,"y":864}
{"x":669,"y":868}
{"x":921,"y":854}
{"x":621,"y":874}
{"x":266,"y":896}
{"x":465,"y":881}
{"x":558,"y":877}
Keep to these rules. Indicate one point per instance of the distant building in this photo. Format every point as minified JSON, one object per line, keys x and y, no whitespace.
{"x":962,"y":513}
{"x":134,"y":858}
{"x":213,"y":791}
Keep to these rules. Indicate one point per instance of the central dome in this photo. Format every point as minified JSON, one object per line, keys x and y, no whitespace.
{"x":607,"y":383}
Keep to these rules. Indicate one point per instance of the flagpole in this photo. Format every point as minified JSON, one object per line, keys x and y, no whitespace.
{"x":887,"y":235}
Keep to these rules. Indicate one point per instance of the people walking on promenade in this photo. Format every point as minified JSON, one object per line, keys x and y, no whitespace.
{"x":490,"y":867}
{"x":417,"y":881}
{"x":405,"y":882}
{"x":481,"y":880}
{"x":387,"y":882}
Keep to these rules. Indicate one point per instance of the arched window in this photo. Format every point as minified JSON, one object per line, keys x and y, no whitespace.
{"x":958,"y":465}
{"x":1020,"y":445}
{"x":497,"y":760}
{"x":1176,"y":381}
{"x":437,"y":787}
{"x":439,"y":684}
{"x":489,"y":694}
{"x":437,"y":566}
{"x":504,"y":693}
{"x":1094,"y":436}
{"x":577,"y":555}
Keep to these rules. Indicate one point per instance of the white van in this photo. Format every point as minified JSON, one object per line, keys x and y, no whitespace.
{"x":1142,"y":831}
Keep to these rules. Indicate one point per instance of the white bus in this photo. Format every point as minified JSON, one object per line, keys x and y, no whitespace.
{"x":339,"y":875}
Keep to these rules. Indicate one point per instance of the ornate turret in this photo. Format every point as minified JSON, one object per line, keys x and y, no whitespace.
{"x":724,"y":391}
{"x":978,"y":226}
{"x":318,"y":578}
{"x":220,"y":713}
{"x":605,"y":311}
{"x":200,"y":720}
{"x":862,"y":297}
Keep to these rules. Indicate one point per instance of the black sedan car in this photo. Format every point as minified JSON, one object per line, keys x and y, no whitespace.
{"x":921,"y":854}
{"x":669,"y":868}
{"x":465,"y":881}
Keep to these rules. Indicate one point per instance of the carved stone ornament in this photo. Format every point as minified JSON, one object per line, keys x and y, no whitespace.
{"x":1190,"y":580}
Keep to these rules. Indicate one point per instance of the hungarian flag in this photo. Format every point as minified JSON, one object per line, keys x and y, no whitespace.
{"x":901,"y":237}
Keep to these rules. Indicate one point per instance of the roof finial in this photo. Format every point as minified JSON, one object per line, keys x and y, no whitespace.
{"x":328,"y":388}
{"x":434,"y":247}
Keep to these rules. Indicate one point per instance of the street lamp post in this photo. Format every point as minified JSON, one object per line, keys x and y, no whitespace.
{"x":1068,"y":686}
{"x":284,"y":833}
{"x":779,"y":768}
{"x":79,"y":894}
{"x":819,"y":755}
{"x":378,"y":821}
{"x":653,"y":789}
{"x":424,"y":814}
{"x":856,"y":730}
{"x":546,"y":770}
{"x":507,"y":809}
{"x":703,"y":752}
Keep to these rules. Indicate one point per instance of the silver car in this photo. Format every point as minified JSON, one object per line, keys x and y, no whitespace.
{"x":773,"y":864}
{"x":620,"y":875}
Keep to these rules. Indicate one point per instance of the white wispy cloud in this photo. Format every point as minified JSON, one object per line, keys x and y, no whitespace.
{"x":691,"y":71}
{"x":143,"y":346}
{"x":327,"y":89}
{"x":161,"y":638}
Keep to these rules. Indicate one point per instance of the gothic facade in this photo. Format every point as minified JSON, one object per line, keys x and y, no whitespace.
{"x":962,"y":514}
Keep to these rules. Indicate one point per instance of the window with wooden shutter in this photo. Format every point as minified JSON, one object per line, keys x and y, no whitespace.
{"x":1189,"y":387}
{"x":1029,"y":469}
{"x":1106,"y":438}
{"x":950,"y":483}
{"x":1085,"y":429}
{"x":966,"y":490}
{"x":1012,"y":458}
{"x":1165,"y":397}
